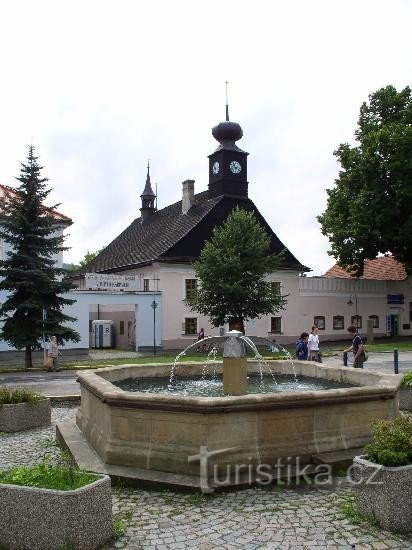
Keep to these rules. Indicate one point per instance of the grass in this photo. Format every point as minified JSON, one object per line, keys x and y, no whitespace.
{"x":120,"y":522}
{"x":407,"y":380}
{"x":59,"y":477}
{"x":166,"y":358}
{"x":9,"y":396}
{"x":350,"y":510}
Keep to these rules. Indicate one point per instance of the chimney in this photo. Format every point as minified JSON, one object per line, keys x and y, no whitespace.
{"x":188,"y":197}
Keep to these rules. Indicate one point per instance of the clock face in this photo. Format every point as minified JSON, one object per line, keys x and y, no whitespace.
{"x":215,"y":168}
{"x":235,"y":167}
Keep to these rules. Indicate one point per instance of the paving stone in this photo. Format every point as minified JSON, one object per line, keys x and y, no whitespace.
{"x":248,"y":519}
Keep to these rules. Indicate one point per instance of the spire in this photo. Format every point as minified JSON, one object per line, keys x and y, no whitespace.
{"x":227,"y":105}
{"x":227,"y":132}
{"x":148,"y":198}
{"x":148,"y":191}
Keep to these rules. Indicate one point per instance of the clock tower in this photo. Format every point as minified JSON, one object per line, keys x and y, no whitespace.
{"x":228,"y":164}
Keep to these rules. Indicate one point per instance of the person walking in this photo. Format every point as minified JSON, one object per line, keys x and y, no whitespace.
{"x":356,"y":348}
{"x":313,"y":344}
{"x":54,"y":354}
{"x":302,"y":347}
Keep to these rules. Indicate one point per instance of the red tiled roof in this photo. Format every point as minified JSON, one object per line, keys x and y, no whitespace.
{"x":383,"y":268}
{"x":58,"y":216}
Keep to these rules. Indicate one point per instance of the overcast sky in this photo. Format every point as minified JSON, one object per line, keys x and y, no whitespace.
{"x":101,"y":86}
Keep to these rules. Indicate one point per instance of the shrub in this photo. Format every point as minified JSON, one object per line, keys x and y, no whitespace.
{"x":392,"y":442}
{"x":9,"y":396}
{"x":407,"y":380}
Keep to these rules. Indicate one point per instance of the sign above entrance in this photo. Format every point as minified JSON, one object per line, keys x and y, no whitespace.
{"x":395,"y":299}
{"x":100,"y":281}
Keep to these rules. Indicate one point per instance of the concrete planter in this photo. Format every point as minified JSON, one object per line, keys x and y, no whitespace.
{"x":405,"y":399}
{"x":384,"y":493}
{"x":23,"y":416}
{"x":47,"y":519}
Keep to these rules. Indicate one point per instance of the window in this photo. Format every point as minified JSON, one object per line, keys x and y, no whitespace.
{"x":146,"y":285}
{"x":338,"y":322}
{"x":190,"y":288}
{"x":319,"y":321}
{"x":276,"y":325}
{"x":275,"y":286}
{"x":90,"y":325}
{"x":410,"y":311}
{"x":121,"y":327}
{"x":356,"y":321}
{"x":375,"y":320}
{"x":190,"y":325}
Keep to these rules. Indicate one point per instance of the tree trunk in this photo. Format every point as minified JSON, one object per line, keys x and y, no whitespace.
{"x":237,"y":325}
{"x":28,"y":358}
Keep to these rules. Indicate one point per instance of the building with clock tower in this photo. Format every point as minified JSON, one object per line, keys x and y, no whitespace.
{"x":228,"y":164}
{"x":158,"y":248}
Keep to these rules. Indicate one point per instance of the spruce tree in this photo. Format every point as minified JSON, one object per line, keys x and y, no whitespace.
{"x":29,"y":275}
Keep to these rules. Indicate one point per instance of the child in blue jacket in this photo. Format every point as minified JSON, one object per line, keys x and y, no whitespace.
{"x":302,"y":347}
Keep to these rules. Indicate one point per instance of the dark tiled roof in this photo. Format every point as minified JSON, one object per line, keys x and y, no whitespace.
{"x":172,"y":236}
{"x":383,"y":268}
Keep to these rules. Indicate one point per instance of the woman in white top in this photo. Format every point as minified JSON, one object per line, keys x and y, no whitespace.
{"x":313,"y":344}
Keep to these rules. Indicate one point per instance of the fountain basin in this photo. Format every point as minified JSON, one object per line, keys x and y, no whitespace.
{"x":159,"y":432}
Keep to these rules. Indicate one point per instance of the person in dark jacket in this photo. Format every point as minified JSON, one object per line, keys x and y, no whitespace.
{"x":302,"y":347}
{"x":356,"y":348}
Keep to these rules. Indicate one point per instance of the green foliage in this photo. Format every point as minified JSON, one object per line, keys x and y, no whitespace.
{"x":407,"y":380}
{"x":232,"y":269}
{"x":368,"y":211}
{"x":89,"y":257}
{"x":9,"y":396}
{"x":349,"y":509}
{"x":392,"y":442}
{"x":47,"y":476}
{"x":29,"y":273}
{"x":120,"y":522}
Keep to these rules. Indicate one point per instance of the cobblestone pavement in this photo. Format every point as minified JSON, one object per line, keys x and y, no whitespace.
{"x":272,"y":518}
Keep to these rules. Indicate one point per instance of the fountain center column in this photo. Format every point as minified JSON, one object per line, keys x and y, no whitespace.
{"x":234,"y":365}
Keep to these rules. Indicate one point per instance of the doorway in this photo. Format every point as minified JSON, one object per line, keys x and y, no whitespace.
{"x":394,"y":325}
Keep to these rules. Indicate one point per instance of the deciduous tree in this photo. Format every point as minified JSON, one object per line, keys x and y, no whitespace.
{"x":232,"y":271}
{"x":369,"y":210}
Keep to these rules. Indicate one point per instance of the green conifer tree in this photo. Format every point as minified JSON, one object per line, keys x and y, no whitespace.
{"x":232,"y":271}
{"x":28,"y":272}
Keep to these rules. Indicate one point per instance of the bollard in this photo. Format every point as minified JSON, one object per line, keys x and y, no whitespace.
{"x":345,"y":358}
{"x":396,"y":361}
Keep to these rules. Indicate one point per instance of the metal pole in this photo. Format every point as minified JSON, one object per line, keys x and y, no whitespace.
{"x":396,"y":361}
{"x":345,"y":358}
{"x":154,"y":329}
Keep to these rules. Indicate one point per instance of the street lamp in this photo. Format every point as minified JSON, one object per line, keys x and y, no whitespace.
{"x":154,"y":306}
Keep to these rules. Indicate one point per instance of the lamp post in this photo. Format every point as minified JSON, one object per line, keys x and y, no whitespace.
{"x":154,"y":306}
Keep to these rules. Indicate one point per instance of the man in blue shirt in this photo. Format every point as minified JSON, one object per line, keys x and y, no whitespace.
{"x":356,"y":348}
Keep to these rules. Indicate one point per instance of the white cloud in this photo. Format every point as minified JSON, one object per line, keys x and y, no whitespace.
{"x":101,"y":86}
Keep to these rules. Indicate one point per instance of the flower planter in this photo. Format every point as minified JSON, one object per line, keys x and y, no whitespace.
{"x":384,"y":493}
{"x":23,"y":416}
{"x":405,"y":399}
{"x":43,"y":518}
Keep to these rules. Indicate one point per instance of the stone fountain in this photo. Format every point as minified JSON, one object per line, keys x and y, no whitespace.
{"x":161,"y":437}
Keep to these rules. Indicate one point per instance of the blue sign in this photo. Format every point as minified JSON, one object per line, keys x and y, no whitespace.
{"x":395,"y":299}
